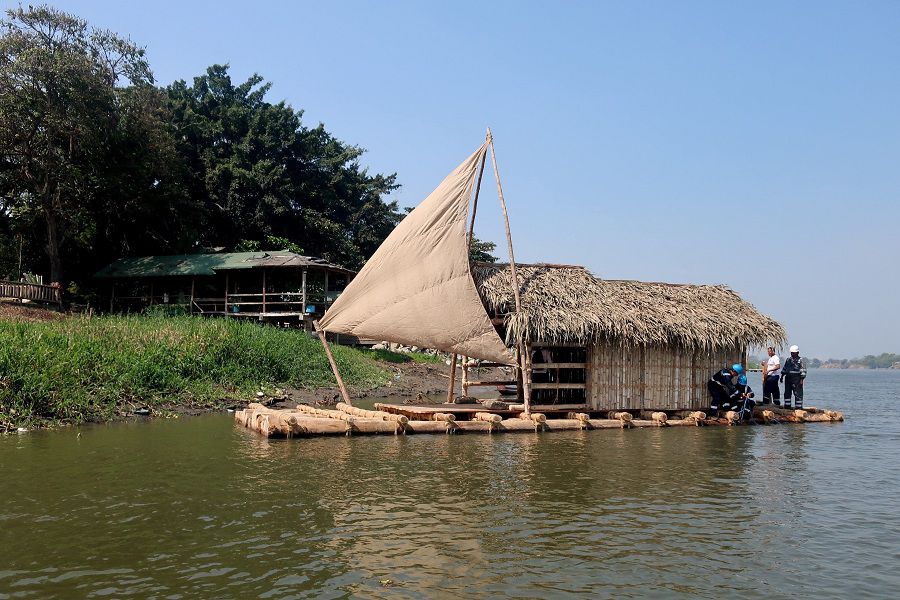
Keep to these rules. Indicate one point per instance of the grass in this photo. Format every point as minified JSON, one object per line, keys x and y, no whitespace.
{"x":402,"y":357}
{"x":76,"y":370}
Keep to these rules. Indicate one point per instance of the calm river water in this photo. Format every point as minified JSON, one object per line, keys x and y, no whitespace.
{"x":196,"y":508}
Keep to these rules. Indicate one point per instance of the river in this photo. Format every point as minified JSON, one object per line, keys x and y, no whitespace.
{"x":197,"y":508}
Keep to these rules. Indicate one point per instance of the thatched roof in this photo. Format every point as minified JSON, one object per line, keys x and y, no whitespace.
{"x":562,"y":303}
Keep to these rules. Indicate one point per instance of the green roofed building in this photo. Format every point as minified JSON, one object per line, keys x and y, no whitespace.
{"x":277,"y":286}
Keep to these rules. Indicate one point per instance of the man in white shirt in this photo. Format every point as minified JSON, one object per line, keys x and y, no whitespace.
{"x":771,"y":391}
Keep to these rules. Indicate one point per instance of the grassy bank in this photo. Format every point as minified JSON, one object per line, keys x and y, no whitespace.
{"x":75,"y":370}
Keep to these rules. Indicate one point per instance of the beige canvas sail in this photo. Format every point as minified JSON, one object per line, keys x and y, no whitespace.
{"x":417,"y":289}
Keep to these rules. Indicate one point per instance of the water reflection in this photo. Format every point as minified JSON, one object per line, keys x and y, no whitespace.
{"x":198,"y":508}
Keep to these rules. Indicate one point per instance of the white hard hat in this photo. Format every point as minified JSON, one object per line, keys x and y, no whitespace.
{"x":795,"y":349}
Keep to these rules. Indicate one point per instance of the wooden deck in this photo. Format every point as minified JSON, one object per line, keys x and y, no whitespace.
{"x":466,"y":412}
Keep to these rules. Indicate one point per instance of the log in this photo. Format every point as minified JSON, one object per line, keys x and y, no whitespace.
{"x":371,"y":414}
{"x":622,"y":416}
{"x":658,"y":416}
{"x":317,"y":426}
{"x":489,"y":417}
{"x":608,"y":424}
{"x":448,"y":417}
{"x":516,"y":424}
{"x":699,"y":417}
{"x":732,"y":417}
{"x":476,"y":426}
{"x":827,"y":416}
{"x":369,"y":426}
{"x":564,"y":425}
{"x":326,"y":413}
{"x":681,"y":423}
{"x":767,"y":416}
{"x":536,"y":417}
{"x":426,"y":427}
{"x":644,"y":423}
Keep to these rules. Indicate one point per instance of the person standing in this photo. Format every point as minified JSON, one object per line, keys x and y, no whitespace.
{"x":772,"y":370}
{"x":793,"y":374}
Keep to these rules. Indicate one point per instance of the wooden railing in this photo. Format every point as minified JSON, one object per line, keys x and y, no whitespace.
{"x":34,"y":292}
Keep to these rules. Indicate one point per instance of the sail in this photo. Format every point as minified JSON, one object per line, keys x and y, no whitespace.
{"x":417,"y":289}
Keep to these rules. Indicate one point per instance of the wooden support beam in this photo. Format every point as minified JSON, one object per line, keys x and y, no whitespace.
{"x":264,"y":290}
{"x":452,"y":384}
{"x":334,"y":368}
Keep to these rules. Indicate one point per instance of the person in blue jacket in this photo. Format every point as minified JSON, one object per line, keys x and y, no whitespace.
{"x":722,"y":389}
{"x":745,"y":399}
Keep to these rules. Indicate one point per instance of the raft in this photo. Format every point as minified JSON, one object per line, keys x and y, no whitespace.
{"x":396,"y":419}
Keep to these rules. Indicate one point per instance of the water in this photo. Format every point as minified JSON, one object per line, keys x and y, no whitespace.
{"x":196,"y":508}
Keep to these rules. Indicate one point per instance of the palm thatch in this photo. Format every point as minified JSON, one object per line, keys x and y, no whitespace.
{"x":567,"y":304}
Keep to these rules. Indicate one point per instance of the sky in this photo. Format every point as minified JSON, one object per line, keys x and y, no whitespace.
{"x":754,"y":144}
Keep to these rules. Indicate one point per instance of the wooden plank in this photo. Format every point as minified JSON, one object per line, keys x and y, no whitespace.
{"x":557,"y":386}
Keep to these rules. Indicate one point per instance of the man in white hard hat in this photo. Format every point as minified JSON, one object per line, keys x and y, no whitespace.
{"x":793,"y":373}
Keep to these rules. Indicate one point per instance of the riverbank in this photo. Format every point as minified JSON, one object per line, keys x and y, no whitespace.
{"x":72,"y":369}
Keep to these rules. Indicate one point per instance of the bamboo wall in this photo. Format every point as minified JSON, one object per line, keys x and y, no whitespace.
{"x":652,"y":378}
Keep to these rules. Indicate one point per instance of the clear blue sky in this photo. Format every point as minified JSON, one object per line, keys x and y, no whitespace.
{"x":752,"y":144}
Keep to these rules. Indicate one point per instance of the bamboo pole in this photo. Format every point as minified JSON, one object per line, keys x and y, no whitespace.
{"x":512,"y":263}
{"x":264,"y":291}
{"x":475,"y":201}
{"x":465,"y":376}
{"x":452,"y":383}
{"x":334,"y":367}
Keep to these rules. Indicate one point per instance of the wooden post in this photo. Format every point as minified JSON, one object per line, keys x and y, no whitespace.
{"x":334,"y":367}
{"x":112,"y":297}
{"x":526,"y":377}
{"x":264,"y":292}
{"x":152,"y":288}
{"x":465,"y":376}
{"x":226,"y":294}
{"x":303,"y":290}
{"x":452,"y":379}
{"x":512,"y":268}
{"x":192,"y":295}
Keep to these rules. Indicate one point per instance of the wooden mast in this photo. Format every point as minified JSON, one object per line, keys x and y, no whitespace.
{"x":523,"y":359}
{"x":469,"y":238}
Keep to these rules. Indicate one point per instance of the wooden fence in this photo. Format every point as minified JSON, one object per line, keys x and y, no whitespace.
{"x":34,"y":292}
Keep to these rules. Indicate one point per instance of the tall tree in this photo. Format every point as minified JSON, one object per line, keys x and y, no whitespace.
{"x":60,"y":112}
{"x":257,"y":172}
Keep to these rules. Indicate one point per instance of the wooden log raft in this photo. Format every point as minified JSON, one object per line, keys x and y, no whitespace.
{"x":309,"y":421}
{"x":371,"y":414}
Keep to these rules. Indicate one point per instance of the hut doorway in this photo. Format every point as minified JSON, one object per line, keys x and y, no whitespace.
{"x":558,"y":374}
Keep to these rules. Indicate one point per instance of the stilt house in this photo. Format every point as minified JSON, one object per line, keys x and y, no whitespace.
{"x":277,"y":286}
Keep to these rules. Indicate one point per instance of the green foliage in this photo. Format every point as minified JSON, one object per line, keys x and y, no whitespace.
{"x":273,"y":242}
{"x":885,"y":360}
{"x":481,"y":251}
{"x":67,"y":130}
{"x":97,"y":163}
{"x":257,"y":173}
{"x":76,"y":370}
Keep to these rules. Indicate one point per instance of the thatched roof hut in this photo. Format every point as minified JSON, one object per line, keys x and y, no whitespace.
{"x":565,"y":304}
{"x":622,"y":344}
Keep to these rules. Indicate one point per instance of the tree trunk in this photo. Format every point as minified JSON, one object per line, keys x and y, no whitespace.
{"x":53,"y":246}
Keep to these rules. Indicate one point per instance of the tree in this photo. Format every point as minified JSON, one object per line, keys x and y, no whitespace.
{"x":256,"y":171}
{"x":60,"y":113}
{"x":481,"y":251}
